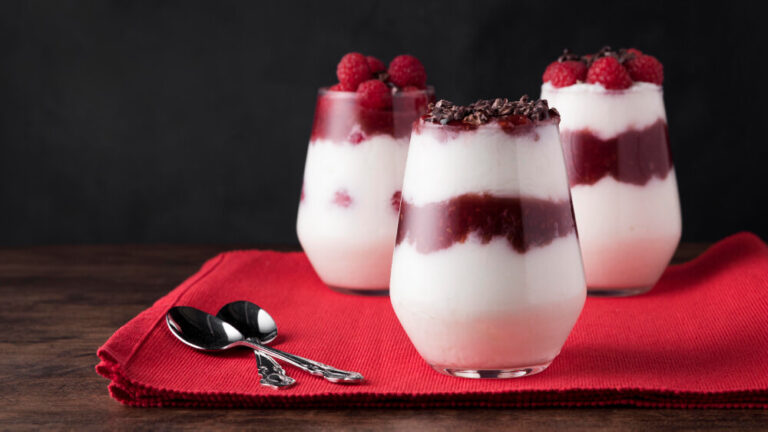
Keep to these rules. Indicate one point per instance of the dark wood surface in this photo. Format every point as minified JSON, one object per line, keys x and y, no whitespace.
{"x":60,"y":303}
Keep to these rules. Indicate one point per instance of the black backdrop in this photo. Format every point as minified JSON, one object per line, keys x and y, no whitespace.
{"x":187,"y":121}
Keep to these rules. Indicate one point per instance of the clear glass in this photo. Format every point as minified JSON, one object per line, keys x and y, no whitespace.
{"x":622,"y":181}
{"x":487,"y":278}
{"x":351,"y":192}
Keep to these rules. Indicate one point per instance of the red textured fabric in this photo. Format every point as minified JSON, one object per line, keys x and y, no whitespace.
{"x":697,"y":340}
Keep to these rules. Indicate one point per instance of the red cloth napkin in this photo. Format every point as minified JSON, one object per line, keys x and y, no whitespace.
{"x":698,"y":339}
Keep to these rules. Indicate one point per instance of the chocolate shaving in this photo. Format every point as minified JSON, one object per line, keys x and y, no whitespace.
{"x":621,"y":55}
{"x":569,"y":56}
{"x":482,"y":111}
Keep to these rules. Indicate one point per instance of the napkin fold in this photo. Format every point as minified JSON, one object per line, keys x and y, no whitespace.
{"x":699,"y":339}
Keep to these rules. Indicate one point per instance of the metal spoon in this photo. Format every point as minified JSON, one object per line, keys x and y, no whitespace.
{"x":258,"y":326}
{"x":203,"y":331}
{"x":272,"y":374}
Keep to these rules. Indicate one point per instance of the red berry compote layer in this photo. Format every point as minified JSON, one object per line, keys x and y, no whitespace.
{"x":623,"y":184}
{"x":354,"y":169}
{"x":487,"y":278}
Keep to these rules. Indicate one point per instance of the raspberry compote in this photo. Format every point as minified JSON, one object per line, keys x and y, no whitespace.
{"x":353,"y":176}
{"x":487,"y":278}
{"x":623,"y":184}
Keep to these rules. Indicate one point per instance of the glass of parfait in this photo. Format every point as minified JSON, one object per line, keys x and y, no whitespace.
{"x":487,"y":278}
{"x":622,"y":179}
{"x":353,"y":176}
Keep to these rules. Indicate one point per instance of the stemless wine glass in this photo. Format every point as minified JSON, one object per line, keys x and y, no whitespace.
{"x":487,"y":278}
{"x":351,"y":193}
{"x":622,"y":181}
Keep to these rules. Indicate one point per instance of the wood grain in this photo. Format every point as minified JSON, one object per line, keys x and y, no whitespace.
{"x":60,"y":303}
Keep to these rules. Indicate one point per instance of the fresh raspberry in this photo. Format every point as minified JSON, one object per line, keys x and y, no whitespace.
{"x":375,"y":65}
{"x":395,"y":201}
{"x":374,"y":94}
{"x":610,"y":73}
{"x":342,"y":199}
{"x":564,"y":74}
{"x":578,"y":68}
{"x":356,"y":137}
{"x":406,"y":70}
{"x":645,"y":68}
{"x":557,"y":73}
{"x":352,"y":70}
{"x":339,"y":87}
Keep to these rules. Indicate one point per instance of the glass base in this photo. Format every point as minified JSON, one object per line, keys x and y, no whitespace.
{"x":515,"y":372}
{"x":618,"y":292}
{"x":361,"y":292}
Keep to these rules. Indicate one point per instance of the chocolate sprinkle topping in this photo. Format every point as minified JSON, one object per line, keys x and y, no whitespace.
{"x":569,"y":56}
{"x":621,"y":55}
{"x":482,"y":111}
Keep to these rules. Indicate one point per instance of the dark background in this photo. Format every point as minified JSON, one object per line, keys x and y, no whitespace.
{"x":186,"y":121}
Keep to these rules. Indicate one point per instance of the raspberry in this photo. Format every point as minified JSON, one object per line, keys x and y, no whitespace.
{"x":578,"y":68}
{"x":374,"y":94}
{"x":610,"y":73}
{"x":406,"y":70}
{"x":375,"y":65}
{"x":352,"y":70}
{"x":395,"y":201}
{"x":645,"y":68}
{"x":356,"y":137}
{"x":342,"y":199}
{"x":564,"y":74}
{"x":339,"y":87}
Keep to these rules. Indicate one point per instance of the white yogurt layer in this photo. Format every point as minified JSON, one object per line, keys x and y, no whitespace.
{"x":628,"y":233}
{"x":606,"y":113}
{"x":487,"y":306}
{"x":351,"y":247}
{"x":486,"y":160}
{"x":473,"y":278}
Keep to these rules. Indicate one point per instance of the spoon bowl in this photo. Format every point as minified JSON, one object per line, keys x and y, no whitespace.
{"x":250,"y":320}
{"x":201,"y":330}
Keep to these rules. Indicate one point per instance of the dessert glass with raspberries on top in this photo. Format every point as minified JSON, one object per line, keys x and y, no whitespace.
{"x":487,"y":278}
{"x":350,"y":197}
{"x":623,"y":184}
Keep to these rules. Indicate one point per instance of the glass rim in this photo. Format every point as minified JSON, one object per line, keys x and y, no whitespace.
{"x":599,"y":89}
{"x":429,"y":90}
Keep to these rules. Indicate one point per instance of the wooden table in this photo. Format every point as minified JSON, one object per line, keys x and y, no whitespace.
{"x":60,"y":303}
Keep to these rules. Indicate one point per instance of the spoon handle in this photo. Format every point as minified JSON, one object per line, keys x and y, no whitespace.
{"x":272,"y":374}
{"x":315,"y":368}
